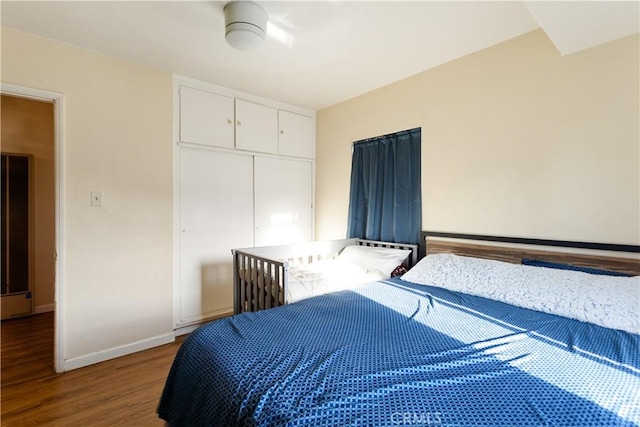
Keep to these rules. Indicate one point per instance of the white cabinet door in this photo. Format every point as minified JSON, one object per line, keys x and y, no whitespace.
{"x":256,"y":127}
{"x":283,"y":201}
{"x":216,"y":202}
{"x":297,"y":135}
{"x":206,"y":118}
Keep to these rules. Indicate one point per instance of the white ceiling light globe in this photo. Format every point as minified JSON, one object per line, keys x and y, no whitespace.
{"x":245,"y":25}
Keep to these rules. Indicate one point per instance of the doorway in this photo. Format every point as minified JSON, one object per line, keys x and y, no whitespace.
{"x":31,"y":130}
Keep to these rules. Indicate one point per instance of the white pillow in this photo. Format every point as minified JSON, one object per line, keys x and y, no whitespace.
{"x":609,"y":301}
{"x":375,"y":259}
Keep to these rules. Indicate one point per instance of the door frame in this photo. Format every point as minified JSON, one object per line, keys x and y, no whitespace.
{"x":58,"y":112}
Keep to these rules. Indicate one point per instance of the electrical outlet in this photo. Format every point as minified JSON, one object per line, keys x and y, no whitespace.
{"x":96,"y":198}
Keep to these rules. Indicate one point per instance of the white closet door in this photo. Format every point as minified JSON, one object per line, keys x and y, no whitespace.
{"x":216,"y":216}
{"x":206,"y":118}
{"x":256,"y":127}
{"x":283,"y":201}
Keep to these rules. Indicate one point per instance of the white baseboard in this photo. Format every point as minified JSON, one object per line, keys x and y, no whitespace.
{"x":188,"y":326}
{"x":44,"y":308}
{"x":112,"y":353}
{"x":186,"y":329}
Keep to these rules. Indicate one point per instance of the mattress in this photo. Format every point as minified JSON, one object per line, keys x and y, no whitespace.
{"x":398,"y":353}
{"x":326,"y":276}
{"x":308,"y":280}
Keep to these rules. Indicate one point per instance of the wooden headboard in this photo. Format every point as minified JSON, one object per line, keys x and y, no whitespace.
{"x":513,"y":250}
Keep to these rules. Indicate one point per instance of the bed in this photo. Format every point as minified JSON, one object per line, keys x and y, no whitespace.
{"x":270,"y":276}
{"x":456,"y":341}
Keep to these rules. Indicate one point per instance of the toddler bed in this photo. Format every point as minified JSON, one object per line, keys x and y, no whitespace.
{"x":456,"y":341}
{"x":270,"y":276}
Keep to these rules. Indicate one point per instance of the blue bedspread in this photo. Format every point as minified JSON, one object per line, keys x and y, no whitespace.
{"x":395,"y":353}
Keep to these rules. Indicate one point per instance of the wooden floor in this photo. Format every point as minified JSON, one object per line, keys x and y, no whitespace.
{"x":123,"y":391}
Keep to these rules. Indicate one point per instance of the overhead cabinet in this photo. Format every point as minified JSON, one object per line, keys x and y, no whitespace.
{"x":219,"y":120}
{"x":297,"y":135}
{"x":206,"y":118}
{"x":256,"y":127}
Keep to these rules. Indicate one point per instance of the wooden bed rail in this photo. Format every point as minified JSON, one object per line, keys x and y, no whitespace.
{"x":413,"y":248}
{"x":257,"y":281}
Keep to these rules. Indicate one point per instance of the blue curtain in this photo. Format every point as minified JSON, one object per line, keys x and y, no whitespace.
{"x":385,"y":201}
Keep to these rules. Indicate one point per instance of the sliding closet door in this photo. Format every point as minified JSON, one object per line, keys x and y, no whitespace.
{"x":283,"y":200}
{"x":216,"y":200}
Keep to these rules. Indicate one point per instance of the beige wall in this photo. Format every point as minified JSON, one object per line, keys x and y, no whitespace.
{"x":516,"y":140}
{"x":117,"y":139}
{"x":27,"y":128}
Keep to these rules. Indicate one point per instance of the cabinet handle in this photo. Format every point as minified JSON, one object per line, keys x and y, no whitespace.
{"x":282,"y":131}
{"x":239,"y":122}
{"x":229,"y":121}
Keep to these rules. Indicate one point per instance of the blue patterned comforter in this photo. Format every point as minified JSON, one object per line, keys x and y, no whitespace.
{"x":396,"y":353}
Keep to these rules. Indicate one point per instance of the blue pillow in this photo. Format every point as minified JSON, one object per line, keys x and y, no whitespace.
{"x":561,"y":266}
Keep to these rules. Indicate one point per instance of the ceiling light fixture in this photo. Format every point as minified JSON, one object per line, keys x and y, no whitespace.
{"x":245,"y":25}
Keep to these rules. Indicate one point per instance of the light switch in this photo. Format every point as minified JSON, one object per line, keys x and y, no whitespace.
{"x":96,"y":198}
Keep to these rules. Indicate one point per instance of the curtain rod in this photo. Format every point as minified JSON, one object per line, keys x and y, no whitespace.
{"x":408,"y":131}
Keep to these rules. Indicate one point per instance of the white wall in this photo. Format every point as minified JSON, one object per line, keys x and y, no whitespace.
{"x":516,"y":140}
{"x":117,"y":139}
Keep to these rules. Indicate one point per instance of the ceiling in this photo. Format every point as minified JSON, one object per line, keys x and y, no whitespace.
{"x":317,"y":53}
